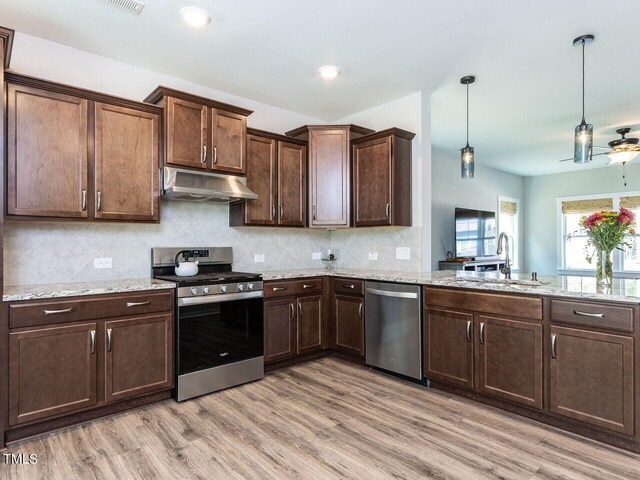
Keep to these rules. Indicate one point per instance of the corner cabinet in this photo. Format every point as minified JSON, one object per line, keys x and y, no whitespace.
{"x":201,"y":133}
{"x":77,"y":154}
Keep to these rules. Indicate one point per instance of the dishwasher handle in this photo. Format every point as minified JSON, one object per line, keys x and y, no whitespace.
{"x":389,"y":293}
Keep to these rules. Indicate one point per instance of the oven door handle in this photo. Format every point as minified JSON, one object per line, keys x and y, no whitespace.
{"x":227,"y":297}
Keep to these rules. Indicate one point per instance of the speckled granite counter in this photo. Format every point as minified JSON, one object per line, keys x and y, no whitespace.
{"x":623,"y":290}
{"x":76,"y":289}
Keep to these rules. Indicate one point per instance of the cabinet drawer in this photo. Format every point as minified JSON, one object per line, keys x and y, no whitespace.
{"x":348,"y":286}
{"x":593,"y":315}
{"x":50,"y":312}
{"x":288,"y":288}
{"x":511,"y":305}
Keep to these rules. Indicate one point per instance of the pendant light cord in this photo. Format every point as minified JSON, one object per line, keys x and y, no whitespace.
{"x":583,"y":42}
{"x":468,"y":114}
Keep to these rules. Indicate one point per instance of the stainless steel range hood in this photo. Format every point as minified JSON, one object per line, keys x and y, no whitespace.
{"x":194,"y":186}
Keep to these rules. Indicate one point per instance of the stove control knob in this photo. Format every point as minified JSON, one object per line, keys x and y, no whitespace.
{"x":240,"y":287}
{"x":223,"y":288}
{"x":194,"y":291}
{"x":205,"y":290}
{"x":250,"y":286}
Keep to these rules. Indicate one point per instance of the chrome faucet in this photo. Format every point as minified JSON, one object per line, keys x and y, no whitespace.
{"x":503,"y":238}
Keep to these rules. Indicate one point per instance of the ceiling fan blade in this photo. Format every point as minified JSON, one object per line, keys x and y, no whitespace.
{"x":571,"y":159}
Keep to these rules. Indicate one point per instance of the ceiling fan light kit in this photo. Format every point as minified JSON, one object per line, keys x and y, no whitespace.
{"x":583,"y":135}
{"x":467,"y":155}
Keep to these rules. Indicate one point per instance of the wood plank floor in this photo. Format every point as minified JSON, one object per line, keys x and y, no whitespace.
{"x":321,"y":420}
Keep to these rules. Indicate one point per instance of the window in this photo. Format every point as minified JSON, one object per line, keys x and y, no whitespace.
{"x":508,"y":222}
{"x":573,"y":250}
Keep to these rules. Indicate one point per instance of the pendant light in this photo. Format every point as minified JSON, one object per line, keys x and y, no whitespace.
{"x":583,"y":137}
{"x":467,"y":156}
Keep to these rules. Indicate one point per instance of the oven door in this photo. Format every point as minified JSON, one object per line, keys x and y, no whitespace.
{"x":224,"y":330}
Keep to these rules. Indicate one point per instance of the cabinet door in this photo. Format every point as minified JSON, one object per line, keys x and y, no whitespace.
{"x":138,"y":356}
{"x":292,"y":161}
{"x":350,"y":323}
{"x":510,"y":360}
{"x":279,"y":330}
{"x":449,"y":347}
{"x":186,"y":132}
{"x":261,"y":179}
{"x":228,"y":138}
{"x":372,"y":182}
{"x":309,"y":324}
{"x":329,"y":178}
{"x":46,"y":153}
{"x":52,"y":371}
{"x":592,"y":378}
{"x":126,"y":163}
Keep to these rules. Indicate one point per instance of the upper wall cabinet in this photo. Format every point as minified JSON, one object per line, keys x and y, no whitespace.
{"x":201,"y":133}
{"x":73,"y":153}
{"x":276,"y":171}
{"x":329,"y":172}
{"x":382,"y":178}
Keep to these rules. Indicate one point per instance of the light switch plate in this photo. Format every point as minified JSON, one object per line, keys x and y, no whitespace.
{"x":403,"y":253}
{"x":316,"y":256}
{"x":373,"y":255}
{"x":102,"y":263}
{"x":258,"y":258}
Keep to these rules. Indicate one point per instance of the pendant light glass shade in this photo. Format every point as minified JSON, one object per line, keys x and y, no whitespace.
{"x":583,"y":143}
{"x":467,"y":161}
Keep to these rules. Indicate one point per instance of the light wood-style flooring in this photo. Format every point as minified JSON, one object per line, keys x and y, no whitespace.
{"x":321,"y":420}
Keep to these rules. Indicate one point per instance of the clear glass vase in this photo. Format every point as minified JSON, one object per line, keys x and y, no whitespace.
{"x":604,"y":268}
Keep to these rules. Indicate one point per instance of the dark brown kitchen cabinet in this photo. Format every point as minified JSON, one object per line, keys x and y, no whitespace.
{"x":126,"y":163}
{"x":592,"y":378}
{"x":47,"y":143}
{"x":329,"y":172}
{"x":509,"y":362}
{"x":382,"y":178}
{"x":201,"y":133}
{"x":349,"y":317}
{"x":309,"y":327}
{"x":280,"y":323}
{"x":448,"y":344}
{"x":138,"y":356}
{"x":52,"y":370}
{"x":276,"y":172}
{"x":78,"y":154}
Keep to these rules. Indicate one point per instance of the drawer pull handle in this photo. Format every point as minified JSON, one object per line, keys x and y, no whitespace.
{"x":108,"y":339}
{"x":137,"y":304}
{"x":469,"y":330}
{"x":279,"y":289}
{"x":360,"y":311}
{"x":307,"y":285}
{"x":587,"y":314}
{"x":291,"y":312}
{"x":348,"y":286}
{"x":92,"y":342}
{"x":554,"y":346}
{"x":56,"y":312}
{"x":482,"y":333}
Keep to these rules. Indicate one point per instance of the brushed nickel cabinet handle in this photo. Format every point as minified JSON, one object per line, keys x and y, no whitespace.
{"x":84,"y":199}
{"x":279,"y":289}
{"x":273,"y":211}
{"x":468,"y":330}
{"x":204,"y":154}
{"x":215,"y":154}
{"x":360,"y":311}
{"x":587,"y":314}
{"x":99,"y":207}
{"x":314,"y":212}
{"x":137,"y":304}
{"x":292,"y":311}
{"x":92,"y":342}
{"x":299,"y":310}
{"x":481,"y":333}
{"x":554,"y":345}
{"x":108,"y":339}
{"x":56,"y":312}
{"x":281,"y":211}
{"x":348,"y":286}
{"x":307,"y":285}
{"x":387,"y":211}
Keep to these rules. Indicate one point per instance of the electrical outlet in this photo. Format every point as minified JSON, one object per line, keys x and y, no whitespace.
{"x":403,"y":253}
{"x":102,"y":263}
{"x":316,"y":256}
{"x":258,"y":258}
{"x":373,"y":255}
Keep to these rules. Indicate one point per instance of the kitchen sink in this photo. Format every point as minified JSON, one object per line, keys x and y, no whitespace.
{"x":503,"y":281}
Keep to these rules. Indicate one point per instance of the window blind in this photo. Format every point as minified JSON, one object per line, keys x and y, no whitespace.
{"x":509,"y":208}
{"x":587,"y":206}
{"x":630,"y":203}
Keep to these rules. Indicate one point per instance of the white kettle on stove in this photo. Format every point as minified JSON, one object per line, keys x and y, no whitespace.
{"x":185,"y":268}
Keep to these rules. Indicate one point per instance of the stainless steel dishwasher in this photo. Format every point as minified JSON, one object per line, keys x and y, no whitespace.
{"x":393,"y":328}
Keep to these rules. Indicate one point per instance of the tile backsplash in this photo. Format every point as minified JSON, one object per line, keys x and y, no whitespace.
{"x":40,"y":252}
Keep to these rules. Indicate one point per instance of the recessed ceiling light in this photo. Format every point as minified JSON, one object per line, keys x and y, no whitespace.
{"x":329,"y":72}
{"x":195,"y":17}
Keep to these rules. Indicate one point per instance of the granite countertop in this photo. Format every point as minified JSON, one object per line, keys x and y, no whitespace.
{"x":77,"y":289}
{"x":623,"y":290}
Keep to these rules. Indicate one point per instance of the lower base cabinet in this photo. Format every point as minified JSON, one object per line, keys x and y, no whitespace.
{"x":349,"y":317}
{"x":309,"y":326}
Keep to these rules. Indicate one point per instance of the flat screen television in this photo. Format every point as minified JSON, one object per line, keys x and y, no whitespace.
{"x":475,"y":233}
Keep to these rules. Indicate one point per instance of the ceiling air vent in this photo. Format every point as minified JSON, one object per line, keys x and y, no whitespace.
{"x":133,"y":6}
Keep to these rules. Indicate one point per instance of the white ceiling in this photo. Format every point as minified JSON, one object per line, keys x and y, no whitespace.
{"x":524,"y":104}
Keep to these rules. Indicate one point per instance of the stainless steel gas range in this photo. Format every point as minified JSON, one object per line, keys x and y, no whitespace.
{"x":219,"y":321}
